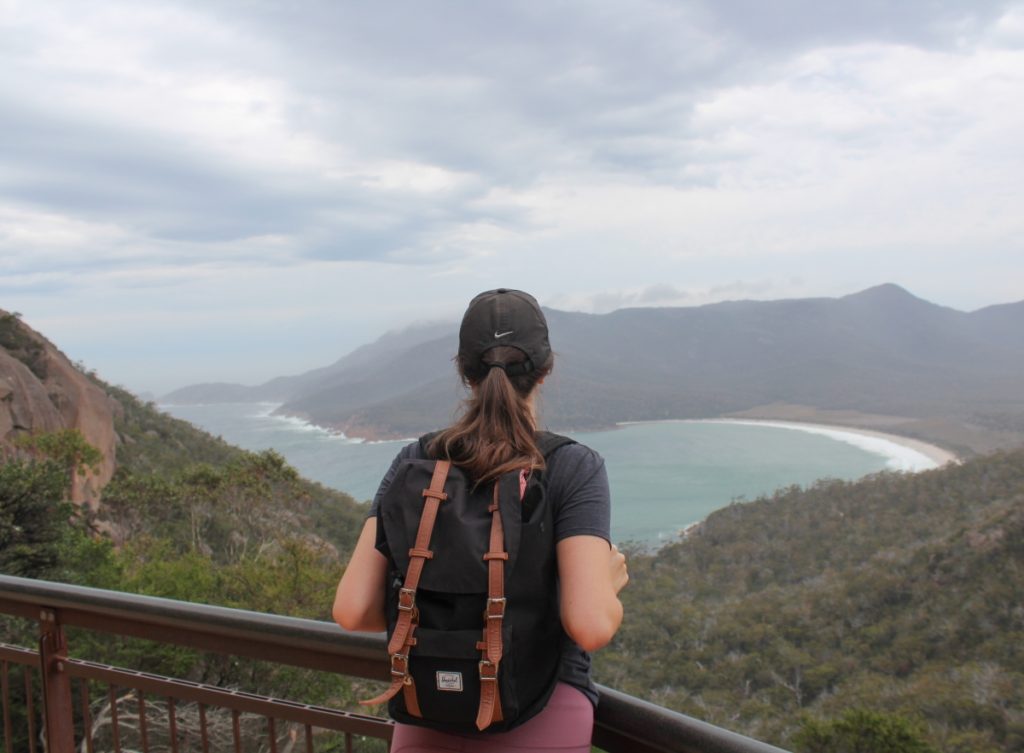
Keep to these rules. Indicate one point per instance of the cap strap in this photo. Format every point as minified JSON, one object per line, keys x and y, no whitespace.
{"x":512,"y":369}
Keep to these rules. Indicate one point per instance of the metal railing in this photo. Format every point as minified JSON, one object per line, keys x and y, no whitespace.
{"x":169,"y":714}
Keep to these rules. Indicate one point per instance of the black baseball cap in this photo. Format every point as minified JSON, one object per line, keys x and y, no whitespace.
{"x":504,"y":317}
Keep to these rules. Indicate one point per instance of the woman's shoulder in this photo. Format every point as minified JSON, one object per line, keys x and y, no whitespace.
{"x":573,"y":460}
{"x":414,"y":450}
{"x":577,"y":482}
{"x":575,"y":452}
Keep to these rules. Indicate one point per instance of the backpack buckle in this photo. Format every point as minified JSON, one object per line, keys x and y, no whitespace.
{"x":499,"y":612}
{"x":406,"y":599}
{"x":488,"y":670}
{"x":402,"y":659}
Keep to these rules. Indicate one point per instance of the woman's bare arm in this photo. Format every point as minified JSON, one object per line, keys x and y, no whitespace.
{"x":591,"y":575}
{"x":359,"y":601}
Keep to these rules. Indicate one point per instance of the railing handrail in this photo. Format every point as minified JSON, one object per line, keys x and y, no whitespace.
{"x":620,"y":718}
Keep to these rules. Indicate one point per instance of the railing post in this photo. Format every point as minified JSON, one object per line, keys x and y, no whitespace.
{"x":57,"y":704}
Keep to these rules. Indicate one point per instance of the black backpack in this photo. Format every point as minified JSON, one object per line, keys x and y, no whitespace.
{"x":474,"y":633}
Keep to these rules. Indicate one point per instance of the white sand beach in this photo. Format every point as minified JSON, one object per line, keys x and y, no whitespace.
{"x":901,"y":453}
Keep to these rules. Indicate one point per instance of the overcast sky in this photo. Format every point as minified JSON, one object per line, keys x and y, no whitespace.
{"x":231,"y":191}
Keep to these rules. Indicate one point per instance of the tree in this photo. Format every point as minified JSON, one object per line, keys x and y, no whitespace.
{"x":68,"y":448}
{"x":31,"y":517}
{"x":861,"y":731}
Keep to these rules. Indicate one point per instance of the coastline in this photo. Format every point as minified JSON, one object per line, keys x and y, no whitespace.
{"x":939,"y":456}
{"x":352,"y":469}
{"x":904,"y":453}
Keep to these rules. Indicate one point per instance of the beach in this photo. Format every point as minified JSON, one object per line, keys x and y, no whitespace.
{"x":902,"y":453}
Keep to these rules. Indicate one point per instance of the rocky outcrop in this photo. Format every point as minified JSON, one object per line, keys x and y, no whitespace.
{"x":24,"y":404}
{"x":42,"y":391}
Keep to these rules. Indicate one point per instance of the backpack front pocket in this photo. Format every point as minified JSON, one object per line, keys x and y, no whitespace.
{"x":445,"y":666}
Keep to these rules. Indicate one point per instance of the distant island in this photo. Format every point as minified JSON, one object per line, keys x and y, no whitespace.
{"x":881,"y":359}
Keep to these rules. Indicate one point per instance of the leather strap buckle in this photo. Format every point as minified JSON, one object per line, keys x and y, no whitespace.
{"x":397,"y":659}
{"x":488,"y":671}
{"x":406,"y":599}
{"x":495,"y":608}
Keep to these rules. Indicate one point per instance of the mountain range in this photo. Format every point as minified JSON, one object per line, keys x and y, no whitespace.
{"x":881,"y":357}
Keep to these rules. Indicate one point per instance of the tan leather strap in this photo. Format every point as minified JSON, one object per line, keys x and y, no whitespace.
{"x":402,"y":639}
{"x":494,"y":615}
{"x":490,"y":699}
{"x":418,"y":555}
{"x":401,"y":680}
{"x":412,"y":703}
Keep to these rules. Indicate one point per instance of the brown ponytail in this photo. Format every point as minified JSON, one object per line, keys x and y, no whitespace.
{"x":496,"y":432}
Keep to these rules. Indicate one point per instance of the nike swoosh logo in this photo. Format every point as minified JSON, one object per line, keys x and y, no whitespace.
{"x":499,"y":335}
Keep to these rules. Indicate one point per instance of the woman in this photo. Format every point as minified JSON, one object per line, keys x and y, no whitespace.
{"x":504,"y":356}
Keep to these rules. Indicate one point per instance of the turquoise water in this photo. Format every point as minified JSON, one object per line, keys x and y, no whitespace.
{"x":664,"y":476}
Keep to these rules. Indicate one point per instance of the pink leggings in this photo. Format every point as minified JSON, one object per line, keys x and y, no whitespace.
{"x":564,"y":726}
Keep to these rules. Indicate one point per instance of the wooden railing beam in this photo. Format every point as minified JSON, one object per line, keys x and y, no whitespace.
{"x":622,"y":723}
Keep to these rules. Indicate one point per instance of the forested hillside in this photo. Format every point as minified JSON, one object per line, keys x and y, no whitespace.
{"x":248,"y":534}
{"x":181,"y":514}
{"x":156,"y":465}
{"x":898,"y":594}
{"x":185,"y":516}
{"x":169,"y":524}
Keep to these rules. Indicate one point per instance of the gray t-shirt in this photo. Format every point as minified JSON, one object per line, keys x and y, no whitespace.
{"x":577,"y":485}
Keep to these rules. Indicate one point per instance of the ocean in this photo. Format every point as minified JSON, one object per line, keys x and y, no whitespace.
{"x":664,"y":476}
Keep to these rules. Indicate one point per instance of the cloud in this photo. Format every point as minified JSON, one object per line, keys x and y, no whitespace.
{"x":348,"y":133}
{"x":109,"y":121}
{"x":396,"y":158}
{"x":796,"y":25}
{"x":665,"y":294}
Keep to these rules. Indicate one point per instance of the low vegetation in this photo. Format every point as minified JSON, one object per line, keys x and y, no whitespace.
{"x":241,"y":530}
{"x":899,"y":594}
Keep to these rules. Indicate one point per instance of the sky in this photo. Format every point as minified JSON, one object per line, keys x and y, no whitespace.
{"x":195,"y":191}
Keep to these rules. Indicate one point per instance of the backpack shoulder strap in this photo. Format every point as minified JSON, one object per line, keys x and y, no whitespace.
{"x":402,"y":637}
{"x":548,"y":442}
{"x":424,"y":443}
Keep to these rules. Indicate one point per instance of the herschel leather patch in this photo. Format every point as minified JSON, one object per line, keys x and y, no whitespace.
{"x":449,"y":681}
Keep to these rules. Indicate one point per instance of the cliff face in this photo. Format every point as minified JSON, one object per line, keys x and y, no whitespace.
{"x":42,"y":391}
